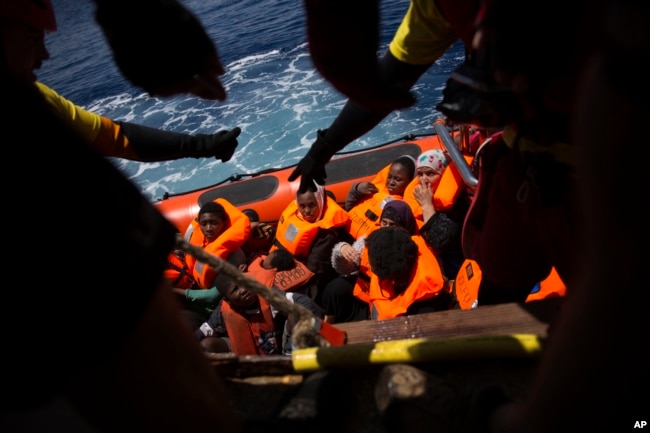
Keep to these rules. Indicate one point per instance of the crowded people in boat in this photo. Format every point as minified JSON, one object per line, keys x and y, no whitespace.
{"x":440,"y":202}
{"x":309,"y":227}
{"x":244,"y":322}
{"x":534,"y":173}
{"x":222,"y":229}
{"x":527,"y":218}
{"x":347,"y":298}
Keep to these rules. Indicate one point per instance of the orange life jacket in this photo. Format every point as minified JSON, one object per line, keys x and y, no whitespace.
{"x":177,"y":272}
{"x":364,"y":216}
{"x":287,"y":281}
{"x":362,"y":284}
{"x":247,"y":329}
{"x":232,"y":238}
{"x":380,"y":179}
{"x":426,"y":283}
{"x":551,"y":287}
{"x":468,"y":281}
{"x":449,"y":187}
{"x":296,"y":235}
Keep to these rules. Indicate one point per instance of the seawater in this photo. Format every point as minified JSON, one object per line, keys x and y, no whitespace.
{"x":275,"y":95}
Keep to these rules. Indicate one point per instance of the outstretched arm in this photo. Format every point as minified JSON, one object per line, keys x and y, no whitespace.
{"x":351,"y":123}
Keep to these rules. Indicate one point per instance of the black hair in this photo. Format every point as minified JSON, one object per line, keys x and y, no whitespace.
{"x":282,"y":259}
{"x":392,"y":252}
{"x":223,"y":283}
{"x":215,"y":208}
{"x":408,"y":163}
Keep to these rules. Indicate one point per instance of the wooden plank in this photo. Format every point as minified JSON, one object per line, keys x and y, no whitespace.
{"x":528,"y":318}
{"x":503,"y":319}
{"x":266,"y":390}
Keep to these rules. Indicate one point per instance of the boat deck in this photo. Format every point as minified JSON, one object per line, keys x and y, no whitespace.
{"x":438,"y":395}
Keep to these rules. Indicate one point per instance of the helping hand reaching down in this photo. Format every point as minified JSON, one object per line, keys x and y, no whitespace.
{"x":311,"y":167}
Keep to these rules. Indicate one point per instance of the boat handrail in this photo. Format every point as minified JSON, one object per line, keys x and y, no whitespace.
{"x":456,"y":156}
{"x":239,"y":176}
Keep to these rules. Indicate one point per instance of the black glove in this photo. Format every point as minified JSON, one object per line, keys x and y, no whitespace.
{"x":151,"y":144}
{"x":160,"y":46}
{"x":220,"y":145}
{"x":312,"y":166}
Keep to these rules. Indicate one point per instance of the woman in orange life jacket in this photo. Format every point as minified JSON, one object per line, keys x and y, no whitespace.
{"x":309,"y":227}
{"x":345,"y":298}
{"x":365,"y":200}
{"x":245,"y":323}
{"x":223,"y":229}
{"x":441,"y":228}
{"x":405,"y":277}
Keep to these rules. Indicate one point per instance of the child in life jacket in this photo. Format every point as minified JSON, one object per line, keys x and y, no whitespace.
{"x":246,"y":323}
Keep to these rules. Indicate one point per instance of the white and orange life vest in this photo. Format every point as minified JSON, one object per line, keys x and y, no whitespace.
{"x":288,"y":280}
{"x":296,"y":235}
{"x":364,"y":216}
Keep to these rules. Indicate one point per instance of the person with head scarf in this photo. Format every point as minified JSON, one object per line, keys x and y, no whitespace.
{"x":398,"y":213}
{"x":440,"y":208}
{"x":344,"y":297}
{"x":309,"y":227}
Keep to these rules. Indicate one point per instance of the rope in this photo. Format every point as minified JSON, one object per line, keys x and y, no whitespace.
{"x":304,"y":332}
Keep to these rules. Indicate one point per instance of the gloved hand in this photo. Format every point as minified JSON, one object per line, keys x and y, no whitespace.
{"x":221,"y":145}
{"x":161,"y":47}
{"x":312,"y":166}
{"x":152,"y":144}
